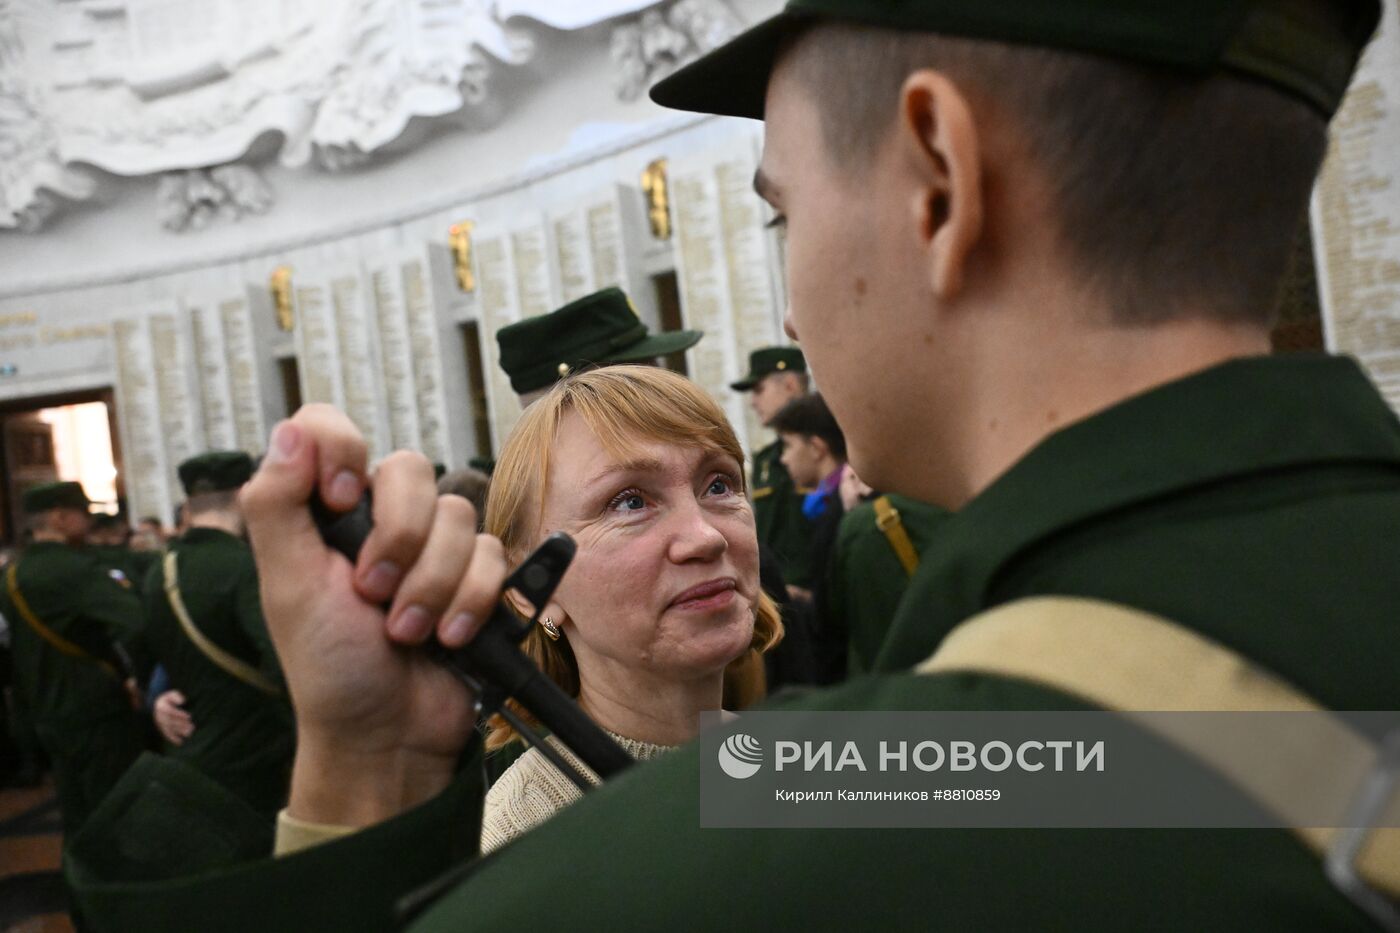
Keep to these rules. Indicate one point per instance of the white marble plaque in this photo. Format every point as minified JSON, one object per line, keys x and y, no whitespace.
{"x":318,"y":356}
{"x":421,"y":306}
{"x":605,"y":244}
{"x":215,"y":399}
{"x":727,"y":271}
{"x":1356,"y":216}
{"x":397,"y":355}
{"x":496,"y":304}
{"x":751,"y":264}
{"x":534,"y":277}
{"x":572,"y":255}
{"x":591,"y":247}
{"x":245,"y":385}
{"x":176,"y":395}
{"x":359,"y":359}
{"x":138,"y":413}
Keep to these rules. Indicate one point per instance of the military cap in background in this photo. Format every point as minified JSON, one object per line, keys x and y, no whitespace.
{"x":215,"y":470}
{"x":597,"y":329}
{"x":1306,"y":48}
{"x":66,"y":495}
{"x":770,"y":360}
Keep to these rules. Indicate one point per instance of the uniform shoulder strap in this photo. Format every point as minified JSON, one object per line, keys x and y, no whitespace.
{"x":888,"y":521}
{"x":1119,"y":658}
{"x":62,"y":644}
{"x":234,"y":667}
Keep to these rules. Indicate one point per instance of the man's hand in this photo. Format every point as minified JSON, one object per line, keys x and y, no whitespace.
{"x":171,"y":719}
{"x":379,"y":725}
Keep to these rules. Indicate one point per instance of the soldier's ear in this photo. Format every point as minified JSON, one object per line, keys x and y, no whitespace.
{"x":940,"y":140}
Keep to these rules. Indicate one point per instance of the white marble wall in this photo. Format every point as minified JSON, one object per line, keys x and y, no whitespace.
{"x":192,"y":353}
{"x":1356,"y":216}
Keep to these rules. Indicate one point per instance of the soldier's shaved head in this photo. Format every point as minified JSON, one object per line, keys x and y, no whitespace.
{"x":1170,"y":191}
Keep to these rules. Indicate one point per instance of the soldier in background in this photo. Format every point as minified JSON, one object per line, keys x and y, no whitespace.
{"x":205,"y":626}
{"x":777,"y":376}
{"x":68,"y":616}
{"x":876,"y":555}
{"x":814,"y":456}
{"x":110,"y":539}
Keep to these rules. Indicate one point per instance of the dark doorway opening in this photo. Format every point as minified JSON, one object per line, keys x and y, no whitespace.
{"x":668,"y":306}
{"x":476,"y":389}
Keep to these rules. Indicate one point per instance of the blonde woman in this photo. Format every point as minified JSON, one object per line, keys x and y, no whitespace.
{"x":642,"y":469}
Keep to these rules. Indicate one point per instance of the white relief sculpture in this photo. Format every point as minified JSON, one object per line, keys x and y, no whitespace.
{"x":651,"y":46}
{"x":32,"y":173}
{"x":142,"y":87}
{"x":193,"y":199}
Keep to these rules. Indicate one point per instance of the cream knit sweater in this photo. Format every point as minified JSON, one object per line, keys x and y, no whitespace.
{"x":532,"y":790}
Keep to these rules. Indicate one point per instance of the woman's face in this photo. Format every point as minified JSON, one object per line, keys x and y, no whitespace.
{"x":666,"y":575}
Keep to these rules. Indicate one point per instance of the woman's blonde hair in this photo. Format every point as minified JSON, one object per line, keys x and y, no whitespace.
{"x":620,"y":404}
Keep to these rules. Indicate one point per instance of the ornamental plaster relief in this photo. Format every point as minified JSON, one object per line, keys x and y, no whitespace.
{"x":185,"y":88}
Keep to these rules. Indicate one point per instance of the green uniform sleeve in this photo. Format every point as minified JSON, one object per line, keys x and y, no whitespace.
{"x":116,"y":607}
{"x":170,"y":851}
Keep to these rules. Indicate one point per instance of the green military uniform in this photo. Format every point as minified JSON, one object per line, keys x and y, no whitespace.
{"x":867,"y":579}
{"x":777,"y":502}
{"x":128,"y":568}
{"x":243,"y":732}
{"x":777,"y":513}
{"x":1254,"y":503}
{"x":1201,"y":500}
{"x":132,"y":565}
{"x":67,"y":673}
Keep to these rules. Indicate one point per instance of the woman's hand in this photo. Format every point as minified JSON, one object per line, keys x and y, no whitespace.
{"x":171,"y":719}
{"x":379,"y":725}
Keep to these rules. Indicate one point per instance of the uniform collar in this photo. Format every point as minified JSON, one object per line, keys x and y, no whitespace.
{"x":1247,"y":416}
{"x":204,"y":533}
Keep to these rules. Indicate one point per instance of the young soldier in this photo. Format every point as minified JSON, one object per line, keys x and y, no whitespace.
{"x":877,"y":553}
{"x":205,"y":625}
{"x":814,"y":455}
{"x":1031,"y":249}
{"x":67,"y":615}
{"x":777,"y":376}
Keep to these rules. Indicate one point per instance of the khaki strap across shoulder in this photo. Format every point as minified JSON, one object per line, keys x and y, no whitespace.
{"x":1123,"y":659}
{"x":888,"y":521}
{"x":234,"y":667}
{"x":43,"y":631}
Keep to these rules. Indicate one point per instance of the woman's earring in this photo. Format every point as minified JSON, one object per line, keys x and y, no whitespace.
{"x":550,"y":628}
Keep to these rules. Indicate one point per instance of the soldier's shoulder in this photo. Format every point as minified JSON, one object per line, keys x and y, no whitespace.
{"x":58,"y":560}
{"x":771,"y":451}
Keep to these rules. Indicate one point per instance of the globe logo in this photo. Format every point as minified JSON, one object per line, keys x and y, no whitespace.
{"x":740,"y":756}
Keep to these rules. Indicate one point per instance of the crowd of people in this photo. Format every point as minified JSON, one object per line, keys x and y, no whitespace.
{"x":1032,"y":255}
{"x":122,"y":647}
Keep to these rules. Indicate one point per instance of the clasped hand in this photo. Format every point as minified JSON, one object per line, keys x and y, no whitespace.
{"x":379,"y":725}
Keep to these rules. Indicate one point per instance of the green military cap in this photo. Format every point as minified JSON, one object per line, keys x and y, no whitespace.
{"x":770,"y":360}
{"x":1307,"y":48}
{"x":67,"y":495}
{"x":215,"y":470}
{"x":597,"y":329}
